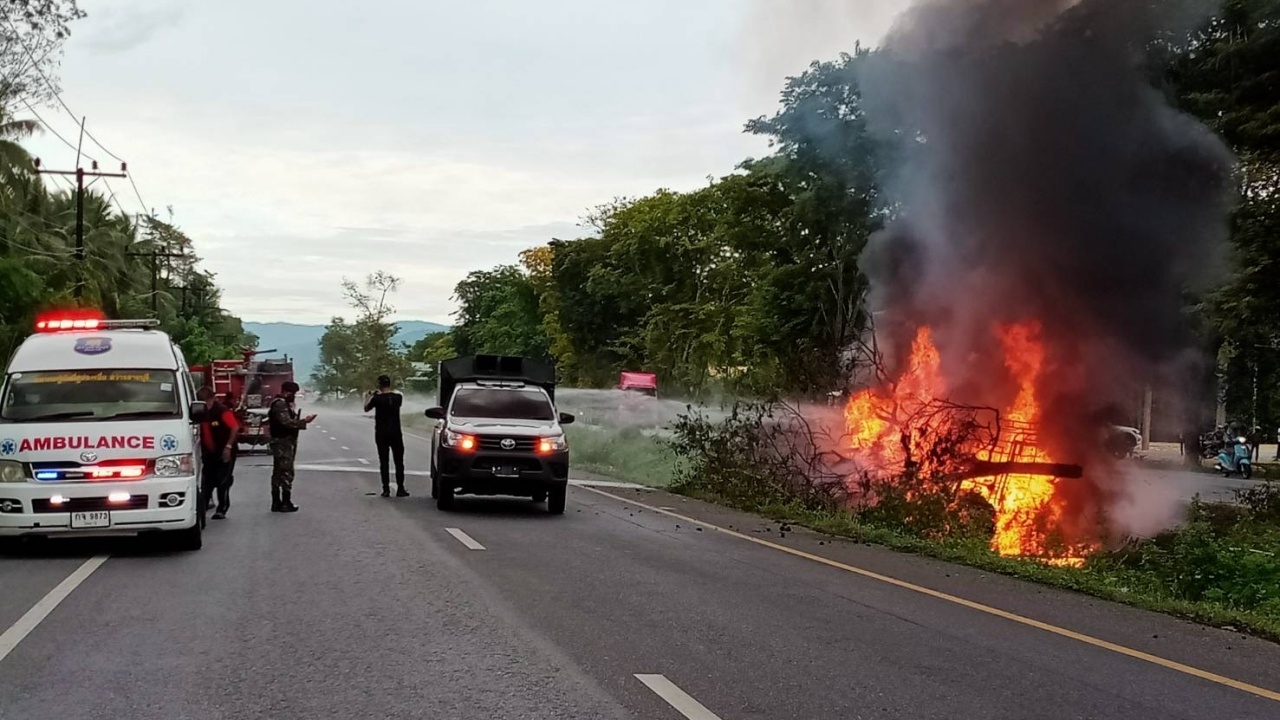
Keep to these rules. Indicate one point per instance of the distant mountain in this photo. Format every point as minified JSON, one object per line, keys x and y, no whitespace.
{"x":301,"y":342}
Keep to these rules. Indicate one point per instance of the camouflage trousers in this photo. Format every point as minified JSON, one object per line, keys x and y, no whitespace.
{"x":282,"y":454}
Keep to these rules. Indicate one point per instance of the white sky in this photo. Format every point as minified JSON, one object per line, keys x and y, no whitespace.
{"x":301,"y":141}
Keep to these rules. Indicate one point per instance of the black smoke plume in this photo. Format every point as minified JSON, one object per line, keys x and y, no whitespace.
{"x":1044,"y":178}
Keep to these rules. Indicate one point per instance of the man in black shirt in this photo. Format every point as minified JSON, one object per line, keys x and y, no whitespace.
{"x":385,"y":404}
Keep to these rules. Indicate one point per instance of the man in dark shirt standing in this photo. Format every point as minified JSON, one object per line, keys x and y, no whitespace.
{"x":385,"y":404}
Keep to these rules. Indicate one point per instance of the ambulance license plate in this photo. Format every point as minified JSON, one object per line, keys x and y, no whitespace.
{"x":96,"y":519}
{"x":506,"y":471}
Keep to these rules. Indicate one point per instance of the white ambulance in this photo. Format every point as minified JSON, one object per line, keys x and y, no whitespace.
{"x":99,"y":434}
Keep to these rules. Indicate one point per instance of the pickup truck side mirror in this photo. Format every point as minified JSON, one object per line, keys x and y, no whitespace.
{"x":197,"y":411}
{"x":435,"y":413}
{"x":566,"y":418}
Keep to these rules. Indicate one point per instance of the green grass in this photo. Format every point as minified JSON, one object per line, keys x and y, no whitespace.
{"x":624,"y":454}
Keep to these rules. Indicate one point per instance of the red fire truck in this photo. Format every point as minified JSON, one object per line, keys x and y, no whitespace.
{"x":247,"y":384}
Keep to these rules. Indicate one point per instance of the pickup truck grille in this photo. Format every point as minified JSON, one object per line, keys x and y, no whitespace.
{"x":494,"y":442}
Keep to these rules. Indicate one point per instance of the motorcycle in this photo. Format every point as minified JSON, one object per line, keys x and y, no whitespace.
{"x":1238,"y":459}
{"x":1211,"y":444}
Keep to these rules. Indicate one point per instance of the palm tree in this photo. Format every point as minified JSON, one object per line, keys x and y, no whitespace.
{"x":13,"y":130}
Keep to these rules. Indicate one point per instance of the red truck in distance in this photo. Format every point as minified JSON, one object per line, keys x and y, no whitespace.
{"x":644,"y":383}
{"x":247,"y":385}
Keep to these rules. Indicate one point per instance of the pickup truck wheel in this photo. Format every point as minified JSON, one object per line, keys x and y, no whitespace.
{"x":444,"y":496}
{"x":556,"y":499}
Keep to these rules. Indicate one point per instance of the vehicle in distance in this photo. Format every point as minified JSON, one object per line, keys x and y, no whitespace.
{"x":639,"y":382}
{"x":498,"y":432}
{"x":98,"y":433}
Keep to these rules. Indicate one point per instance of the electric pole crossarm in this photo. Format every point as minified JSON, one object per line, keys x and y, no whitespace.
{"x":81,"y":174}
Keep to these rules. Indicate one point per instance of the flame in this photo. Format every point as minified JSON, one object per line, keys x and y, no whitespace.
{"x":887,"y":427}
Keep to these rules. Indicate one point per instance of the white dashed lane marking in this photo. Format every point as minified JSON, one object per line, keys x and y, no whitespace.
{"x":677,"y":698}
{"x":344,"y":447}
{"x":362,"y":461}
{"x":464,"y":538}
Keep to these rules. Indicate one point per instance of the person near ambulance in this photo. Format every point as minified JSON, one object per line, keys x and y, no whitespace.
{"x":98,"y":433}
{"x":218,"y":433}
{"x":230,"y":401}
{"x":285,"y":424}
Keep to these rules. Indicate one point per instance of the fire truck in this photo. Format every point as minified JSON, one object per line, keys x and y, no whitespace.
{"x":247,"y":384}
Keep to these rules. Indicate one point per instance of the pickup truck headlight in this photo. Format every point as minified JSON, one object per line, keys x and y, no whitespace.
{"x":174,"y":466}
{"x":552,"y":444}
{"x":12,"y":472}
{"x":458,"y":440}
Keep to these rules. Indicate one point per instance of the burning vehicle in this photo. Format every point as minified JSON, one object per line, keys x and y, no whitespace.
{"x":1048,"y":216}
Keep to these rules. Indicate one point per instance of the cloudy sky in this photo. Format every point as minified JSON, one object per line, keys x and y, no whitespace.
{"x":301,"y":141}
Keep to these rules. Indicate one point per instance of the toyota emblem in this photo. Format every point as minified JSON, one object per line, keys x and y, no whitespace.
{"x":508,"y":444}
{"x":88,"y":457}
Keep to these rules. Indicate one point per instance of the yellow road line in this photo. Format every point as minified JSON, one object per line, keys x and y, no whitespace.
{"x":1063,"y":632}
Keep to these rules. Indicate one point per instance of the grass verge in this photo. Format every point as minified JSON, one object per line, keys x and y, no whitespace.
{"x":627,"y":454}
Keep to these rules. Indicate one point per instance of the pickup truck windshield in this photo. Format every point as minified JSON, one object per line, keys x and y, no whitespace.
{"x":502,"y":404}
{"x":90,"y":395}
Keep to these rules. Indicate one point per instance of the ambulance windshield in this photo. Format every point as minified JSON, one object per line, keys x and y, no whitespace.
{"x":88,"y":396}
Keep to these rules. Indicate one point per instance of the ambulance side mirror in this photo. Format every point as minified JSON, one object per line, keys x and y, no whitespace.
{"x":197,"y":411}
{"x":435,"y":413}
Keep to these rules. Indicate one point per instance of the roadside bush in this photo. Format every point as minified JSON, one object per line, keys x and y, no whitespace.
{"x":760,"y":454}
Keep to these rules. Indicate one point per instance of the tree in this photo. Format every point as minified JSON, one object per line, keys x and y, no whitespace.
{"x":353,"y":355}
{"x":498,"y":313}
{"x":32,"y":33}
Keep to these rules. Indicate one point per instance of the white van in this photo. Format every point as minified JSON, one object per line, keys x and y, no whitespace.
{"x":99,"y":434}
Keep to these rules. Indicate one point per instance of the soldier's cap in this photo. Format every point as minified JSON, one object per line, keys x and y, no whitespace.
{"x":290,"y":386}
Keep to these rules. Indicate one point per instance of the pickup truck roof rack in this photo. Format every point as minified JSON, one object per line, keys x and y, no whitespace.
{"x":494,"y":368}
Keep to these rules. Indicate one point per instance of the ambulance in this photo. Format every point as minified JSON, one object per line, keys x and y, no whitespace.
{"x":99,"y":434}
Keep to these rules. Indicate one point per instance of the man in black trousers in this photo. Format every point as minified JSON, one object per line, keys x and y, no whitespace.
{"x":385,"y":404}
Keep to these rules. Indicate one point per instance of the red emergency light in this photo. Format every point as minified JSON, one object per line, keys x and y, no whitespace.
{"x":70,"y":320}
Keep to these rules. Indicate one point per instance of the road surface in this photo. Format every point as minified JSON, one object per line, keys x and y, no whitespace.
{"x":633,"y":604}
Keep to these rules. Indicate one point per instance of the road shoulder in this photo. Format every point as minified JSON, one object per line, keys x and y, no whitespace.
{"x":1223,"y":652}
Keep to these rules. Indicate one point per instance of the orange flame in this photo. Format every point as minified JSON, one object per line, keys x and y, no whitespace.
{"x":879,"y":425}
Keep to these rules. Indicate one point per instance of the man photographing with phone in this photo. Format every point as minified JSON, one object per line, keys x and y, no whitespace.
{"x":385,"y":404}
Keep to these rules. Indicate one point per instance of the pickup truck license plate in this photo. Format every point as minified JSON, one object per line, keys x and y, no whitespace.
{"x":97,"y":519}
{"x":506,"y":471}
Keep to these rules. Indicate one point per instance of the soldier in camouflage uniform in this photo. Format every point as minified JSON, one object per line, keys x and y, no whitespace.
{"x":285,"y":424}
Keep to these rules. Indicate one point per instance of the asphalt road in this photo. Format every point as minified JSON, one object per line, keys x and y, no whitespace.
{"x":634,"y":604}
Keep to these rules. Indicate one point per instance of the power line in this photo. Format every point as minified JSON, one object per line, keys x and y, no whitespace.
{"x":53,"y":88}
{"x":51,"y":129}
{"x":58,"y":96}
{"x":146,"y":210}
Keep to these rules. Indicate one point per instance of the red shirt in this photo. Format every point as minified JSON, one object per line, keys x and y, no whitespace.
{"x":226,"y":420}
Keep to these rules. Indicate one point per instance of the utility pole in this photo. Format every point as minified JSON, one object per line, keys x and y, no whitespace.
{"x":155,"y":256}
{"x":80,"y":174}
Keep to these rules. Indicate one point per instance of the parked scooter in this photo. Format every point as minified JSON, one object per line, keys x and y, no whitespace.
{"x":1237,"y":459}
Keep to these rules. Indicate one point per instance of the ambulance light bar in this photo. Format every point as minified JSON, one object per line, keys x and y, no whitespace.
{"x":62,"y":324}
